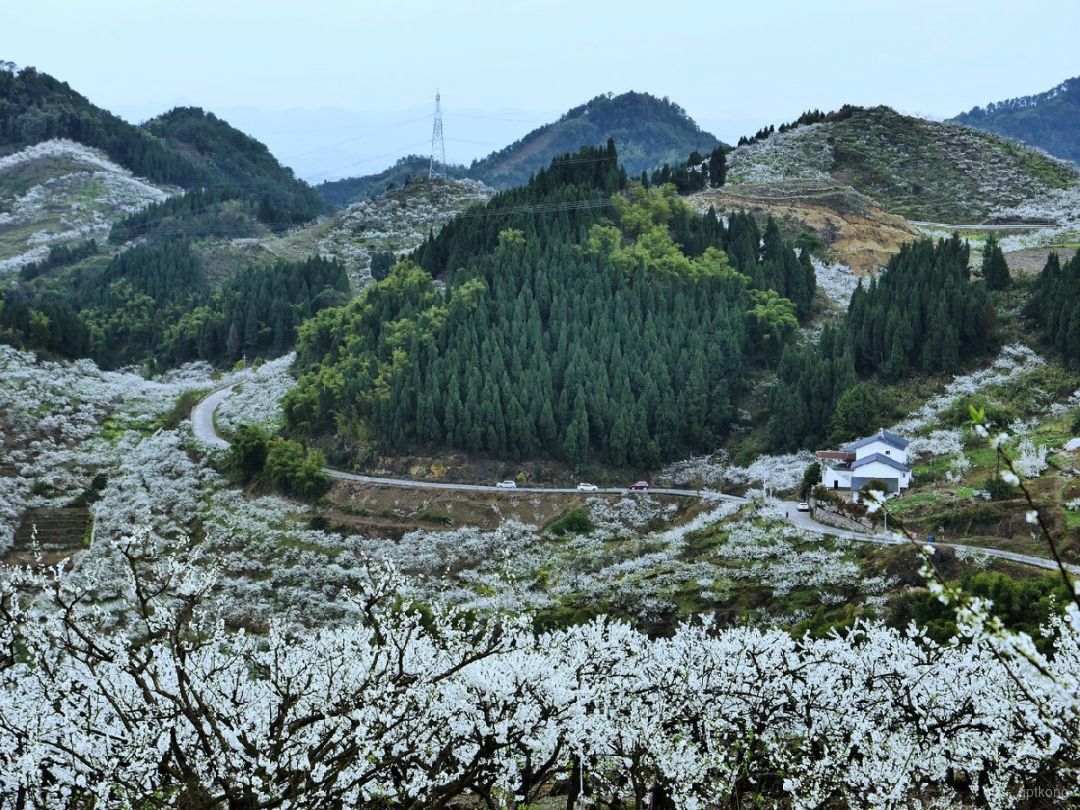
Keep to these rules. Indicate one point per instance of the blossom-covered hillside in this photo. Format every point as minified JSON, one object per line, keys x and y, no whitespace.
{"x":60,"y":191}
{"x":921,"y":169}
{"x":395,"y":222}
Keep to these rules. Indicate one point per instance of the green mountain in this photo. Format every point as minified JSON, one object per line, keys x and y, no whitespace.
{"x":921,"y":169}
{"x":647,"y":131}
{"x":35,"y":107}
{"x":238,"y":162}
{"x":186,"y":147}
{"x":1049,"y":120}
{"x":341,"y":193}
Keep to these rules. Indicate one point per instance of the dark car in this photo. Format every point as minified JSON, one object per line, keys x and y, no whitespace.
{"x":639,"y":486}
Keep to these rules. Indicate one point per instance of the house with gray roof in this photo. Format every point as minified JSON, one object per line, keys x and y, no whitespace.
{"x":880,"y":457}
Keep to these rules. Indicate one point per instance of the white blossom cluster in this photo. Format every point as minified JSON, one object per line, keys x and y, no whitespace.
{"x":1059,"y":205}
{"x":87,"y":189}
{"x":397,"y":221}
{"x":836,"y":281}
{"x":937,"y":443}
{"x":392,"y":707}
{"x":803,"y":153}
{"x":62,"y":422}
{"x":257,"y":400}
{"x":1031,"y":460}
{"x":1014,"y":361}
{"x":779,"y":473}
{"x":959,"y":467}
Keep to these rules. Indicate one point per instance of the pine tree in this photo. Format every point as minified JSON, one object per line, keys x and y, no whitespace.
{"x":994,"y":267}
{"x":717,"y":168}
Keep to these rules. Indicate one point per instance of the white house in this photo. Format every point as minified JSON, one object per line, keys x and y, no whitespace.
{"x":881,"y":457}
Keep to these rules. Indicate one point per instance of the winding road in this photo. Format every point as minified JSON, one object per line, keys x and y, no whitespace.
{"x":202,"y":423}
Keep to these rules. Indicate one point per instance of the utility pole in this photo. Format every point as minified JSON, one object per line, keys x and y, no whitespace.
{"x":437,"y":169}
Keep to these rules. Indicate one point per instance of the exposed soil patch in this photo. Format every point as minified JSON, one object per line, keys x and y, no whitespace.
{"x":854,"y":229}
{"x":368,"y":509}
{"x":55,"y":533}
{"x":1031,"y":261}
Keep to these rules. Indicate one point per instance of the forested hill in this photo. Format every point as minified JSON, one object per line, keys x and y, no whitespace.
{"x":185,"y":147}
{"x":582,"y":319}
{"x":341,"y":193}
{"x":236,"y":160}
{"x":1049,"y":120}
{"x":647,"y":131}
{"x":35,"y":107}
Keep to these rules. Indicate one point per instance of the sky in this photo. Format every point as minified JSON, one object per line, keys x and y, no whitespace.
{"x":343,"y":88}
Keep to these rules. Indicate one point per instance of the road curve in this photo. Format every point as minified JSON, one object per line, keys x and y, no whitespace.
{"x":202,"y":423}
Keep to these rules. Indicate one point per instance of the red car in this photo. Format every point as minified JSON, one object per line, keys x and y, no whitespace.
{"x":639,"y":486}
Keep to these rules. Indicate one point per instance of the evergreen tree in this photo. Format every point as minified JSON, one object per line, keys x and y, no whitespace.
{"x":994,"y":267}
{"x":717,"y":167}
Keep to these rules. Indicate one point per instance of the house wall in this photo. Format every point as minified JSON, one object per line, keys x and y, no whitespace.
{"x":836,"y":479}
{"x":883,"y":447}
{"x":883,"y":472}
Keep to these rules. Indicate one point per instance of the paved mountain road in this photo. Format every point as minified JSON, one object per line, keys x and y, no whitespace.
{"x":202,"y":423}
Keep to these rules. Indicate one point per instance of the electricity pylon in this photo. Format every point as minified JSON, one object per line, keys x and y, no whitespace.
{"x":438,"y":147}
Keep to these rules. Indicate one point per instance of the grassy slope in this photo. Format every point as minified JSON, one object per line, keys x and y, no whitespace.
{"x":917,"y":168}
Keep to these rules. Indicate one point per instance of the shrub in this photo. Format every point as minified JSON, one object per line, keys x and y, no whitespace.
{"x":1076,"y":423}
{"x":811,"y":478}
{"x":247,"y":453}
{"x":295,"y":472}
{"x":874,"y":485}
{"x":958,"y":413}
{"x":281,"y":463}
{"x":576,"y":521}
{"x":999,"y":490}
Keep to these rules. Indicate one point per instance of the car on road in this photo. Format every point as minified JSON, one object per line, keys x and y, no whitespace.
{"x":584,"y":487}
{"x":508,"y":484}
{"x":639,"y":486}
{"x":803,"y":506}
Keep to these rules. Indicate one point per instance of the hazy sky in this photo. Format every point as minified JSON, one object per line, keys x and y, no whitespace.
{"x":306,"y":76}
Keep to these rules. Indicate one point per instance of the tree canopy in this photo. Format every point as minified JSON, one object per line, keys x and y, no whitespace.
{"x":574,"y":323}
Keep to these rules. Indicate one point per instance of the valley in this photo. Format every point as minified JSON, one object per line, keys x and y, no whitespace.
{"x":542,"y":479}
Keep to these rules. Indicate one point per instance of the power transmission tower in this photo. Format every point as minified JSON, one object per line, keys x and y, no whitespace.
{"x":438,"y":147}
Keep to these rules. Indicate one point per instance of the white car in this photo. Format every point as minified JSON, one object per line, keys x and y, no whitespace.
{"x":803,"y":506}
{"x":583,"y":487}
{"x":506,"y":485}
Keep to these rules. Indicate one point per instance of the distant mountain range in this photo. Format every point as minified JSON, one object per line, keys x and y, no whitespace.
{"x":648,"y":132}
{"x":1049,"y":120}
